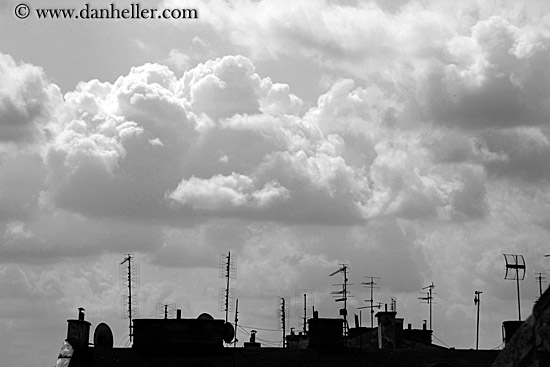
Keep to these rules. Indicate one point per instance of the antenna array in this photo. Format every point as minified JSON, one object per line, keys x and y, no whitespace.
{"x":429,"y":299}
{"x":343,"y":295}
{"x":129,"y":278}
{"x":228,"y":270}
{"x":371,"y":284}
{"x":515,"y":263}
{"x":282,"y":312}
{"x":165,"y":310}
{"x":301,"y":302}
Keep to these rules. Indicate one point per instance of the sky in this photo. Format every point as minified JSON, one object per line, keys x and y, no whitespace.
{"x":408,"y":140}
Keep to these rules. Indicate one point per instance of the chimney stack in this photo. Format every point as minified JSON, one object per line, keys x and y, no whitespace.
{"x":386,"y":329}
{"x":78,"y":331}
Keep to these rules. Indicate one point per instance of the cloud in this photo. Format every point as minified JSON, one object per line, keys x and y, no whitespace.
{"x":225,"y":192}
{"x":502,"y":81}
{"x":472,"y":65}
{"x":27,"y":102}
{"x":521,"y":152}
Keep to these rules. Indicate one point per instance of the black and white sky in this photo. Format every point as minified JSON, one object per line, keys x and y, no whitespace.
{"x":407,"y":139}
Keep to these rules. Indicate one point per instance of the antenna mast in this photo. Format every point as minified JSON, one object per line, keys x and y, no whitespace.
{"x":227,"y":271}
{"x":477,"y":301}
{"x":236,"y":321}
{"x":165,"y":310}
{"x":300,"y":302}
{"x":305,"y":313}
{"x":344,"y":311}
{"x":429,"y":299}
{"x":283,"y":319}
{"x":517,"y":263}
{"x":371,"y":284}
{"x":129,"y":277}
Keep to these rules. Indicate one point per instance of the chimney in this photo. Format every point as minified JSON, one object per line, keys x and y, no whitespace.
{"x":78,"y":331}
{"x":252,"y":343}
{"x":399,"y":332}
{"x":178,"y":314}
{"x":386,"y":329}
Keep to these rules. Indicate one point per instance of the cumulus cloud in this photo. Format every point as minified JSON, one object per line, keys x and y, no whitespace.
{"x":521,"y":152}
{"x":502,"y":81}
{"x":27,"y":102}
{"x":474,"y":65}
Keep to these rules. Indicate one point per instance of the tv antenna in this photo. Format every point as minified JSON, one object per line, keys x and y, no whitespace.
{"x":301,"y":297}
{"x":228,"y":270}
{"x":516,"y":263}
{"x":393,"y":305}
{"x":129,"y":278}
{"x":371,"y":284}
{"x":540,"y":278}
{"x":236,"y":322}
{"x":282,"y":311}
{"x":165,"y":310}
{"x":429,"y":299}
{"x":344,"y":295}
{"x":477,"y":301}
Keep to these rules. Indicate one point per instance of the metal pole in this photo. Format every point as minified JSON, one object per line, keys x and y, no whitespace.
{"x":130,"y":295}
{"x":345,"y":302}
{"x":283,"y":319}
{"x":228,"y":269}
{"x":519,"y":302}
{"x":236,"y":321}
{"x":477,"y":300}
{"x":430,"y":301}
{"x":371,"y":303}
{"x":305,"y":313}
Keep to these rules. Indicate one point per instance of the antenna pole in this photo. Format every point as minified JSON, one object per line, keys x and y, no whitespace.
{"x":517,"y":266}
{"x":228,"y":269}
{"x":430,"y":300}
{"x":129,"y":260}
{"x":130,"y":295}
{"x":371,"y":301}
{"x":236,"y":321}
{"x":517,"y":284}
{"x":305,"y":313}
{"x":477,"y":301}
{"x":283,"y":317}
{"x":343,"y":311}
{"x":371,"y":284}
{"x":345,"y":269}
